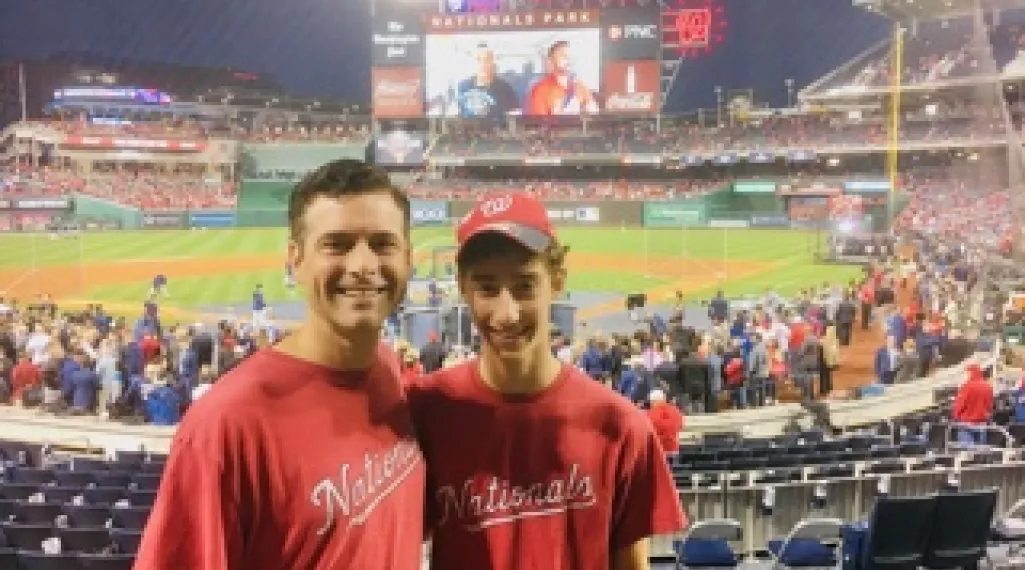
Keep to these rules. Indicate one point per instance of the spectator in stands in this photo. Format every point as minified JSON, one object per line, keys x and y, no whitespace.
{"x":264,"y":461}
{"x":510,"y":267}
{"x":25,"y":376}
{"x":886,"y":361}
{"x":973,"y":405}
{"x":667,"y":422}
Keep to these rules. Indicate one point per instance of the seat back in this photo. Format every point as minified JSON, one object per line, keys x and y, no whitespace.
{"x":26,"y":536}
{"x":127,"y":541}
{"x":106,"y":561}
{"x":707,"y":544}
{"x":40,"y":561}
{"x":89,"y":540}
{"x":87,"y":515}
{"x":960,"y":528}
{"x":898,"y":533}
{"x":8,"y":559}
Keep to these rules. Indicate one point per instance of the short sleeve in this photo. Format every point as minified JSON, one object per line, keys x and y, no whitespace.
{"x":195,"y":519}
{"x":646,"y":502}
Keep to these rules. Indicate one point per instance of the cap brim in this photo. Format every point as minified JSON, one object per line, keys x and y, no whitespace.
{"x":534,"y":240}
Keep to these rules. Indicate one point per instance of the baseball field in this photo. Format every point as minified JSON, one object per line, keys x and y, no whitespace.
{"x":208,"y":268}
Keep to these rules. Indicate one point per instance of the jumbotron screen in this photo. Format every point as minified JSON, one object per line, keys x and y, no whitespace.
{"x":542,"y":63}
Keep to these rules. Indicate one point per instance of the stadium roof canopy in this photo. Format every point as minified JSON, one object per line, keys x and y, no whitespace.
{"x":906,"y":10}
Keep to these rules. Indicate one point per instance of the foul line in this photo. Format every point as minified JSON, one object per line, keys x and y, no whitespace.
{"x":19,"y":279}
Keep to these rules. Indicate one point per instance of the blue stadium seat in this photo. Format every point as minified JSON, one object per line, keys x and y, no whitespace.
{"x":897,"y":533}
{"x":104,"y":495}
{"x":87,"y":464}
{"x":106,"y":561}
{"x":709,"y":544}
{"x":131,"y":518}
{"x":112,"y":478}
{"x":812,"y":543}
{"x":75,"y":478}
{"x":131,"y":458}
{"x":17,"y":491}
{"x":155,"y":466}
{"x":7,"y":510}
{"x":8,"y":559}
{"x":87,"y":515}
{"x":126,"y":541}
{"x":146,"y":481}
{"x":40,"y":561}
{"x":62,"y":495}
{"x":142,"y":498}
{"x":38,"y":513}
{"x":26,"y":537}
{"x":88,"y":540}
{"x":27,"y":475}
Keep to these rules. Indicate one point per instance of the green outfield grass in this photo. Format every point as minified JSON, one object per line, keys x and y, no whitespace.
{"x":671,"y":255}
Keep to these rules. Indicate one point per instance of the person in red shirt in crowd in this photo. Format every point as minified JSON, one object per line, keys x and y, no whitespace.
{"x":667,"y":421}
{"x":24,"y":376}
{"x":149,"y":346}
{"x":533,"y":465}
{"x":303,"y":457}
{"x":867,"y":296}
{"x":973,"y":405}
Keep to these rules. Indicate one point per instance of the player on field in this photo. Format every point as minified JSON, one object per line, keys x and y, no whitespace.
{"x":532,"y":465}
{"x":303,"y":457}
{"x":159,"y":287}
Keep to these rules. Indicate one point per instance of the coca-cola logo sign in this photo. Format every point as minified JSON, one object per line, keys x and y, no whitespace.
{"x":398,"y":92}
{"x":630,"y":102}
{"x":631,"y":87}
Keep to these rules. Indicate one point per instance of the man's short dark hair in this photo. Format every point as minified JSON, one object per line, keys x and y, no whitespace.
{"x":342,"y":177}
{"x":558,"y":44}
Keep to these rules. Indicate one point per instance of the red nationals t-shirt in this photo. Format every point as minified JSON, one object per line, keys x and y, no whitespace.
{"x":288,"y":465}
{"x":553,"y":480}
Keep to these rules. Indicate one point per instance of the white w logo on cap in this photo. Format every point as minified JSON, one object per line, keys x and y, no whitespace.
{"x":496,"y":206}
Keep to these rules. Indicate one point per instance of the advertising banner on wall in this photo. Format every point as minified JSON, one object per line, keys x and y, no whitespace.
{"x":631,"y":33}
{"x":428,"y":212}
{"x":674,"y":214}
{"x":867,"y":186}
{"x":166,"y":220}
{"x":397,"y":37}
{"x":631,"y":87}
{"x":579,"y":213}
{"x":770,"y":221}
{"x":397,"y":92}
{"x":753,"y":187}
{"x":37,"y":204}
{"x":212,"y":219}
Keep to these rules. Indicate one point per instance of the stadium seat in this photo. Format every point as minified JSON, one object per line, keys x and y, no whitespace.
{"x":142,"y":498}
{"x":126,"y":541}
{"x":27,"y":475}
{"x":88,"y":540}
{"x":960,"y":529}
{"x":87,"y":464}
{"x":7,"y":510}
{"x":146,"y":481}
{"x":62,"y":495}
{"x":8,"y":559}
{"x":130,"y":459}
{"x":709,"y":544}
{"x":104,"y":495}
{"x":812,"y":543}
{"x":17,"y":491}
{"x":106,"y":561}
{"x":897,"y":534}
{"x":25,"y":536}
{"x":112,"y":478}
{"x":75,"y":478}
{"x":87,"y":515}
{"x":131,"y":518}
{"x":38,"y":513}
{"x":40,"y":561}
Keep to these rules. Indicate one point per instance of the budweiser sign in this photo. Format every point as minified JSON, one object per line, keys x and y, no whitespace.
{"x":398,"y":92}
{"x":514,"y":20}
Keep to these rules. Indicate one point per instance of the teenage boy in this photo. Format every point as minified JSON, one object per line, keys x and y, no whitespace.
{"x":531,"y":464}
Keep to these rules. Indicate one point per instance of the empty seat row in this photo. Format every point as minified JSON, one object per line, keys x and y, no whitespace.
{"x":74,"y":515}
{"x":88,"y":540}
{"x":90,"y":495}
{"x":11,"y":559}
{"x":83,"y":478}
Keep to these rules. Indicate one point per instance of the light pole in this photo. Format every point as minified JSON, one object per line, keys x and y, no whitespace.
{"x":790,"y":91}
{"x":718,"y":106}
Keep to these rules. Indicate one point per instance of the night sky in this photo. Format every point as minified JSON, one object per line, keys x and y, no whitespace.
{"x":321,"y":47}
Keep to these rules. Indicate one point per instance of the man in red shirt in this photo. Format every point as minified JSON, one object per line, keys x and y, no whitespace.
{"x":24,"y":376}
{"x":533,"y":465}
{"x":559,"y":92}
{"x":667,"y":421}
{"x":303,"y":457}
{"x":973,"y":404}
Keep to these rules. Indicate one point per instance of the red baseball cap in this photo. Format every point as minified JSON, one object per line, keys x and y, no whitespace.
{"x":516,"y":215}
